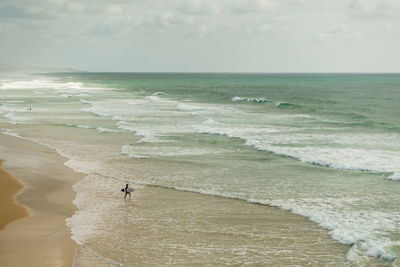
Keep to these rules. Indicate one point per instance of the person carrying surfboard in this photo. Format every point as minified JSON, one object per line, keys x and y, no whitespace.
{"x":127,"y":191}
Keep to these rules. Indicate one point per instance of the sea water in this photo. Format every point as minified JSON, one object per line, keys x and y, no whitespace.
{"x":208,"y":153}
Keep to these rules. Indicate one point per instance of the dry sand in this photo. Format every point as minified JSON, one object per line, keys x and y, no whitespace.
{"x":42,"y":238}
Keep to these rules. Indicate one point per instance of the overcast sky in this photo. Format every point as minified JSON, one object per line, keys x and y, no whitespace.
{"x":203,"y":36}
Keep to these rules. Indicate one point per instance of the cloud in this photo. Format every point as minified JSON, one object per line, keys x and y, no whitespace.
{"x":17,"y":12}
{"x":387,"y":27}
{"x":198,"y":7}
{"x":105,"y":28}
{"x":257,"y":28}
{"x":337,"y":33}
{"x":371,"y":9}
{"x":139,"y":27}
{"x":251,"y":6}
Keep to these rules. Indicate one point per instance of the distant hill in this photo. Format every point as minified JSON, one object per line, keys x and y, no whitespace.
{"x":11,"y":68}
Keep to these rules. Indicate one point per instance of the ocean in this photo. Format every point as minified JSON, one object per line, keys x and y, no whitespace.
{"x":229,"y":169}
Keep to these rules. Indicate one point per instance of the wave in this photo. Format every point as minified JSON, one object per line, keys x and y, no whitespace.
{"x":305,"y":148}
{"x":147,"y":135}
{"x":154,"y":98}
{"x":210,"y":121}
{"x":64,"y":88}
{"x":13,"y":101}
{"x":250,"y":99}
{"x":127,"y":150}
{"x":160,"y":93}
{"x":80,"y":126}
{"x":366,"y":160}
{"x":360,"y":240}
{"x":85,"y":101}
{"x":139,"y":152}
{"x":8,"y":132}
{"x":14,"y":119}
{"x":340,"y":230}
{"x":11,"y":118}
{"x":191,"y":108}
{"x":74,"y":95}
{"x":330,"y":150}
{"x":286,"y":104}
{"x":106,"y":130}
{"x":94,"y":112}
{"x":262,"y":135}
{"x":99,"y":129}
{"x":77,"y":87}
{"x":30,"y":84}
{"x":99,"y":256}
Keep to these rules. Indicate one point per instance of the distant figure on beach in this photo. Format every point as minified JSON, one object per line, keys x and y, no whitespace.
{"x":127,"y":191}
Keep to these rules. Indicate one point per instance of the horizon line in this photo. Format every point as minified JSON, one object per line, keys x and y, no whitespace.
{"x":231,"y":72}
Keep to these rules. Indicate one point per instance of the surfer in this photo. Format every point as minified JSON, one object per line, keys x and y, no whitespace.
{"x":127,"y":191}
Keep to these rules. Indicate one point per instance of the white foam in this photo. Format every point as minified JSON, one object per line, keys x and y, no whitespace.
{"x":106,"y":130}
{"x":77,"y":88}
{"x":81,"y":126}
{"x":302,"y":116}
{"x":395,"y":176}
{"x":166,"y":151}
{"x":237,"y":98}
{"x":11,"y":118}
{"x":338,"y":150}
{"x":30,"y":84}
{"x":187,"y":107}
{"x":90,"y":220}
{"x":346,"y":225}
{"x":210,"y":122}
{"x":126,"y":150}
{"x":160,"y":93}
{"x":85,"y":101}
{"x":371,"y":160}
{"x":8,"y":132}
{"x":335,"y":148}
{"x":148,"y":135}
{"x":14,"y":101}
{"x":152,"y":98}
{"x":99,"y":129}
{"x":74,"y":95}
{"x":15,"y":117}
{"x":249,"y":99}
{"x":280,"y":104}
{"x":64,"y":89}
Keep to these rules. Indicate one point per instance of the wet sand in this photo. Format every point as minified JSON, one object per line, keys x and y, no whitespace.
{"x":9,"y":210}
{"x":42,"y":238}
{"x":166,"y":227}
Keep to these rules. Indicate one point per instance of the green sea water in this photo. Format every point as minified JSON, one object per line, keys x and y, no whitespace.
{"x":324,"y":146}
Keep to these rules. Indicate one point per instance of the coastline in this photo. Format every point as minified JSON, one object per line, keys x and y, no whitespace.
{"x":42,"y":238}
{"x":10,"y":210}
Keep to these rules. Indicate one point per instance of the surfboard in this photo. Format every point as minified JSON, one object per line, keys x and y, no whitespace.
{"x":129,"y":190}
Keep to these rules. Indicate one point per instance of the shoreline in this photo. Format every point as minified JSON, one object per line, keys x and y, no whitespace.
{"x":42,"y":237}
{"x":10,"y":209}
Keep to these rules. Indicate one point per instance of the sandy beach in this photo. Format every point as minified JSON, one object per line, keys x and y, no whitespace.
{"x":42,"y":238}
{"x":9,"y":209}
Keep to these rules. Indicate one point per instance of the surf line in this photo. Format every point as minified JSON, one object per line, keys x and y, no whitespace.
{"x":101,"y":257}
{"x":265,"y":202}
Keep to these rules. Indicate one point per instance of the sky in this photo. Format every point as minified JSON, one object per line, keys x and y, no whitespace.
{"x":202,"y":35}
